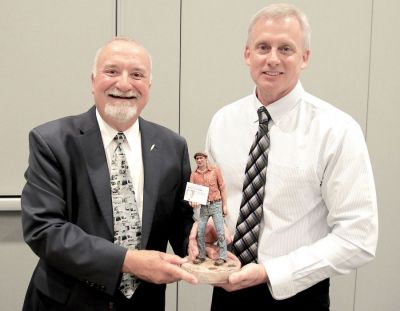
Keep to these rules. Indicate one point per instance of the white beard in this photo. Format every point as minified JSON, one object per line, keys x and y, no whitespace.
{"x":120,"y":112}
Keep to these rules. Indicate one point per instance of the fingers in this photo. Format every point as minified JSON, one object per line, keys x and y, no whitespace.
{"x":249,"y":275}
{"x":194,"y":205}
{"x":236,"y":281}
{"x":225,"y":210}
{"x":187,"y":277}
{"x":193,"y":249}
{"x":173,"y":259}
{"x":234,"y":258}
{"x":193,"y":232}
{"x":212,"y":251}
{"x":228,"y":235}
{"x":161,"y":268}
{"x":210,"y":232}
{"x":174,"y":271}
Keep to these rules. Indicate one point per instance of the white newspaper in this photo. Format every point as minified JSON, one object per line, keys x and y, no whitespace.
{"x":196,"y":193}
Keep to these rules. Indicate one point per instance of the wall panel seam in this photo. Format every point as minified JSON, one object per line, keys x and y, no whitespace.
{"x":366,"y":117}
{"x":180,"y":67}
{"x":369,"y":68}
{"x":116,"y":18}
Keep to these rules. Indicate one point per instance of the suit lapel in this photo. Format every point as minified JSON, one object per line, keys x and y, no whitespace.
{"x":96,"y":163}
{"x":152,"y":162}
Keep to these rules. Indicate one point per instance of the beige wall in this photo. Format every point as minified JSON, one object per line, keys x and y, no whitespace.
{"x":47,"y":49}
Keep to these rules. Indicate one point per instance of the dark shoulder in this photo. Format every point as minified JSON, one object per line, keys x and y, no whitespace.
{"x":69,"y":125}
{"x":162,"y":132}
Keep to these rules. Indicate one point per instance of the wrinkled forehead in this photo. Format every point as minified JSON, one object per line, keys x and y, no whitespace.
{"x":124,"y":50}
{"x":124,"y":47}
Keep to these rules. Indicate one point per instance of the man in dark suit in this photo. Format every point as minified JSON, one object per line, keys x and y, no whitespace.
{"x":67,"y":211}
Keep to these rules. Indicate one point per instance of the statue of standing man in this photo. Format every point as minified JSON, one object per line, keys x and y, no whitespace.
{"x":216,"y":207}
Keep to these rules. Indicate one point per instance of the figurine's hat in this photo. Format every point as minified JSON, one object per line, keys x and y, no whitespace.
{"x":197,"y":154}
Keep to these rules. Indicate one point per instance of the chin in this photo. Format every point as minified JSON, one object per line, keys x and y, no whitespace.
{"x":121,"y":113}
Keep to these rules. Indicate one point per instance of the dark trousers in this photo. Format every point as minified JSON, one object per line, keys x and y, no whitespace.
{"x":315,"y":298}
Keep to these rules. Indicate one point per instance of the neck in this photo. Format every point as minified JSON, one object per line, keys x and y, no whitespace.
{"x":202,"y":168}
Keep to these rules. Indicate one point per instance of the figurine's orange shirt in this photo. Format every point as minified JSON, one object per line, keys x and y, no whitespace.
{"x":210,"y":178}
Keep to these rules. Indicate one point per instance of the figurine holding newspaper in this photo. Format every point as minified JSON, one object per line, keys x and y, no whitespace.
{"x":207,"y":191}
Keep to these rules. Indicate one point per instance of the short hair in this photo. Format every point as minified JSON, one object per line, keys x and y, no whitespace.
{"x":282,"y":10}
{"x":200,"y":154}
{"x":126,"y":39}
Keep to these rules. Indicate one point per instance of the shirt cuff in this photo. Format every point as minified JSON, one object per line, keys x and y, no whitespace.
{"x":280,"y":280}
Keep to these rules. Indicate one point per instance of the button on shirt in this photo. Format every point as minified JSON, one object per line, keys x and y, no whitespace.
{"x":133,"y":152}
{"x":320,"y":210}
{"x":212,"y":179}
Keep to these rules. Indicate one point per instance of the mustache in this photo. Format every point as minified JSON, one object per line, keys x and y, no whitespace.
{"x":115,"y":93}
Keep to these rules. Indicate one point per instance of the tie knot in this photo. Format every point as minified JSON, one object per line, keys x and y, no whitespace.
{"x":263,"y":115}
{"x":119,"y":138}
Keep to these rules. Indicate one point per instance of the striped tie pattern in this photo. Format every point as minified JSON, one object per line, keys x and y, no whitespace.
{"x":251,"y":208}
{"x":127,"y":225}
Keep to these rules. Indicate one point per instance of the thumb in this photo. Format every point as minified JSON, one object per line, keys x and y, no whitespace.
{"x":173,"y":259}
{"x":237,"y":277}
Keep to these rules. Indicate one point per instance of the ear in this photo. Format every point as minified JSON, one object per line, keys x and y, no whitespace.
{"x":306,"y":56}
{"x":92,"y":80}
{"x":246,"y":55}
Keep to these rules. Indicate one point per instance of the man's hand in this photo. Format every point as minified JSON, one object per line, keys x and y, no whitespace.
{"x":194,"y":204}
{"x":210,"y":237}
{"x":156,"y":267}
{"x":249,"y":275}
{"x":224,"y":210}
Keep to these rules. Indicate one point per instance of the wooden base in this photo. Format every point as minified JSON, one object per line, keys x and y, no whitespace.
{"x":207,"y":272}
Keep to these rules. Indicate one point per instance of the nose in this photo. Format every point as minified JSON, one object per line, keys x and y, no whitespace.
{"x":124,"y":84}
{"x":273,"y":57}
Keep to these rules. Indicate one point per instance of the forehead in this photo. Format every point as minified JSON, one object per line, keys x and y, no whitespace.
{"x":123,"y":53}
{"x":285,"y":28}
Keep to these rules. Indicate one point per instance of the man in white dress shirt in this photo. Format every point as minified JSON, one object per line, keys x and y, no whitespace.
{"x":319,"y":209}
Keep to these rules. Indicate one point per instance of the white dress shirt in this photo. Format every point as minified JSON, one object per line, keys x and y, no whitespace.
{"x":320,"y":210}
{"x":133,"y":153}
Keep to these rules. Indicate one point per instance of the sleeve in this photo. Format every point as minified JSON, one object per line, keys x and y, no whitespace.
{"x":348,"y":192}
{"x":183,"y":213}
{"x":47,"y":226}
{"x":220,"y":179}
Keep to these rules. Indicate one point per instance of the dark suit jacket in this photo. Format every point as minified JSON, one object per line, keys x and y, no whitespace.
{"x":67,"y":211}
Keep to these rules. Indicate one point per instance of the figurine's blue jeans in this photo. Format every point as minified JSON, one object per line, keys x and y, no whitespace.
{"x":213,"y":210}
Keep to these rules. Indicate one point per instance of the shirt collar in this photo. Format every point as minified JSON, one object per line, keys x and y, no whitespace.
{"x":108,"y":133}
{"x":283,"y":105}
{"x":206,"y":170}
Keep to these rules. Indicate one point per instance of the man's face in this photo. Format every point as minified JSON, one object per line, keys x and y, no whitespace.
{"x":201,"y":162}
{"x":121,"y":83}
{"x":275,"y":55}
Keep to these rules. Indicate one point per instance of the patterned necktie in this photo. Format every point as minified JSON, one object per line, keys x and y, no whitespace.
{"x":127,"y":226}
{"x":251,"y":209}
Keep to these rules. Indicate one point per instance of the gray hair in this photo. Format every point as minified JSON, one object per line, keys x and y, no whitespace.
{"x":282,"y":10}
{"x":126,"y":39}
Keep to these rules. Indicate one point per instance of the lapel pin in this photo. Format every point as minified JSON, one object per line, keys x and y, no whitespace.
{"x":152,"y":147}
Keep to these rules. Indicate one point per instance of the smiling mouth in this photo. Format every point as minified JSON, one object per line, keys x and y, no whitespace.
{"x":117,"y":94}
{"x":122,"y":97}
{"x":272,"y":73}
